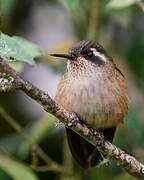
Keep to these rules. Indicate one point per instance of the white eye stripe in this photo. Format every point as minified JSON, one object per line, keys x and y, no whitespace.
{"x":96,"y":53}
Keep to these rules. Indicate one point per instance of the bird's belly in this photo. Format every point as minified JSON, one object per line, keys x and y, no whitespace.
{"x":98,"y":105}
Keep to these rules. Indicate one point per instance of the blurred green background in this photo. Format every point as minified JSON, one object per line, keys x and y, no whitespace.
{"x":32,"y":143}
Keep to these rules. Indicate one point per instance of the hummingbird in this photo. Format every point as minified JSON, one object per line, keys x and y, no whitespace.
{"x":95,"y":89}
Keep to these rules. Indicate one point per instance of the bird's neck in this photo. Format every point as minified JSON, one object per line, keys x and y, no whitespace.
{"x":86,"y":70}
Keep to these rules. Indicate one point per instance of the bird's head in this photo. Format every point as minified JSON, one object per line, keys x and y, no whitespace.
{"x":86,"y":52}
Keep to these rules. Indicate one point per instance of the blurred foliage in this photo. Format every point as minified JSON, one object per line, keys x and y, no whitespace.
{"x":38,"y":131}
{"x":15,"y":169}
{"x":120,"y":4}
{"x":32,"y":149}
{"x":85,"y":17}
{"x":7,"y":6}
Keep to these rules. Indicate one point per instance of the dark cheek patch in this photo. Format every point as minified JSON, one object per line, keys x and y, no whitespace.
{"x":97,"y":60}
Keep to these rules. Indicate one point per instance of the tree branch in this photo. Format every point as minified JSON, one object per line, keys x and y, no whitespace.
{"x":125,"y":161}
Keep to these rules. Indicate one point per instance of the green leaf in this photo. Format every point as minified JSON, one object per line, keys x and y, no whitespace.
{"x":115,"y":4}
{"x":16,"y":170}
{"x":18,"y":49}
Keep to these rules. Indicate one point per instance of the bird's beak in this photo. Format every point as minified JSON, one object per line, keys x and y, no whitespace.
{"x":66,"y":56}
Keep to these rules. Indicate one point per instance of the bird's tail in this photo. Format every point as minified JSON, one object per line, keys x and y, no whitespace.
{"x":85,"y":153}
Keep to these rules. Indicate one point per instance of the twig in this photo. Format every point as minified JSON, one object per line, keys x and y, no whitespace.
{"x":94,"y":18}
{"x":127,"y":162}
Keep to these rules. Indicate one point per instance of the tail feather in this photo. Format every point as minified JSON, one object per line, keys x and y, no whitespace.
{"x":85,"y":153}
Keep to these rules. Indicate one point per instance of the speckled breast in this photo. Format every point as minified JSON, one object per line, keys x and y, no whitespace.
{"x":99,"y":100}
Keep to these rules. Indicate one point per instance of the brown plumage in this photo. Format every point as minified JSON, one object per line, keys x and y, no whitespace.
{"x":95,"y":89}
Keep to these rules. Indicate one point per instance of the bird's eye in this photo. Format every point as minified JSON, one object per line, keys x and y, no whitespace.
{"x":89,"y":54}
